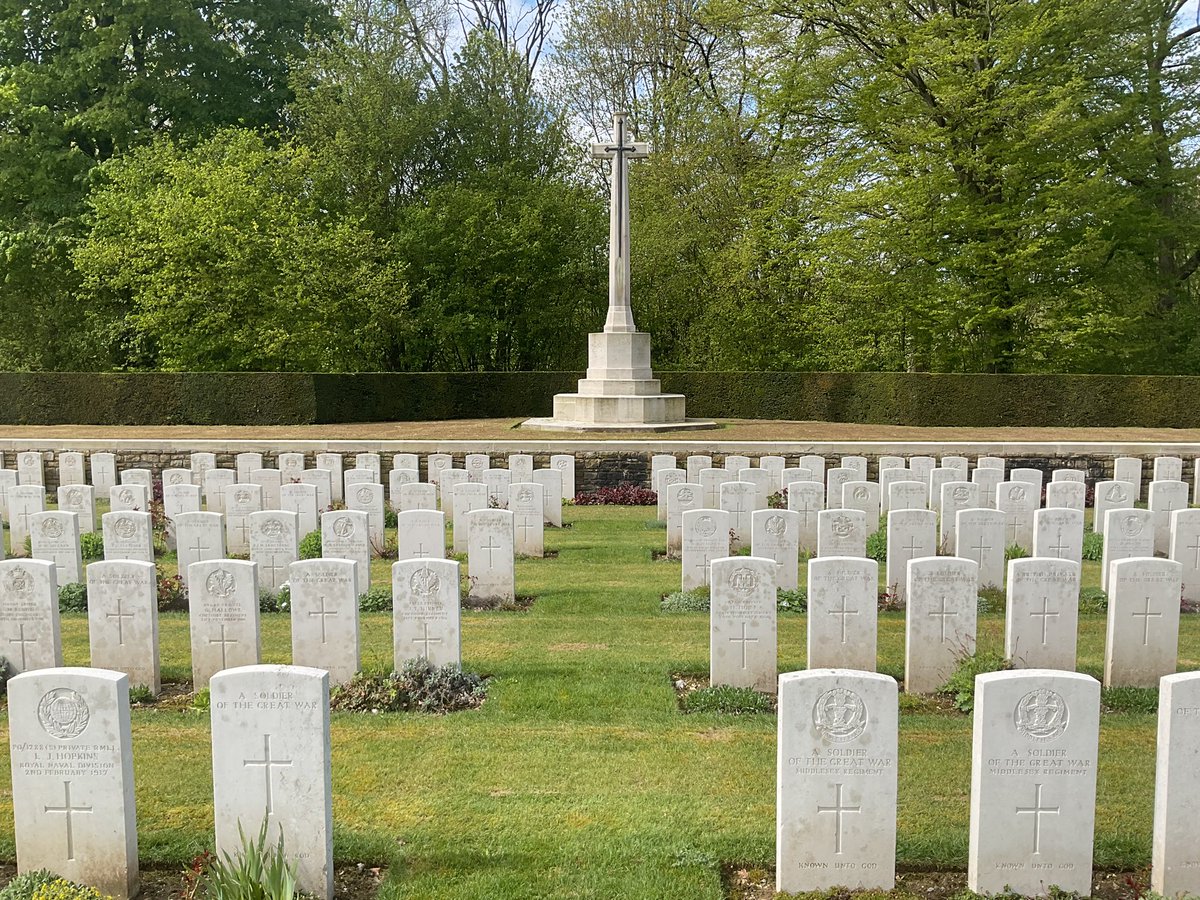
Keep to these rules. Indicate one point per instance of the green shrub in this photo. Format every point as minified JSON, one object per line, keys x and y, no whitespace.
{"x":792,"y":601}
{"x":140,"y":693}
{"x":280,"y":601}
{"x":23,"y":886}
{"x":202,"y":700}
{"x":62,"y":889}
{"x":310,"y":545}
{"x":695,"y":600}
{"x":1093,"y":545}
{"x":377,"y":599}
{"x":1093,"y":600}
{"x":5,"y":674}
{"x":1015,"y":551}
{"x":992,"y":600}
{"x":961,"y":685}
{"x":877,"y":545}
{"x":419,"y":686}
{"x":257,"y":872}
{"x":72,"y":598}
{"x":91,"y":545}
{"x":734,"y":701}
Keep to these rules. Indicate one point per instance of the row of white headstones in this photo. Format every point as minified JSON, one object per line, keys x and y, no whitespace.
{"x":1033,"y":777}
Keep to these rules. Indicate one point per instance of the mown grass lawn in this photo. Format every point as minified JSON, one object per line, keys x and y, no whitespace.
{"x":579,"y":777}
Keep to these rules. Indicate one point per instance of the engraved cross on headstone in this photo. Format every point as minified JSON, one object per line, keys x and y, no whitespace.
{"x":120,"y":617}
{"x":620,"y":150}
{"x":838,"y":810}
{"x":1037,"y":811}
{"x":489,"y":547}
{"x":324,"y":614}
{"x":1195,"y":548}
{"x":426,"y":640}
{"x":1059,"y":547}
{"x":1045,"y":616}
{"x":224,"y":642}
{"x":980,"y":548}
{"x":199,"y":550}
{"x":843,"y":612}
{"x":1146,"y":616}
{"x":942,"y":616}
{"x":66,"y":809}
{"x":21,"y":641}
{"x":806,"y":510}
{"x":267,"y":764}
{"x":743,"y":640}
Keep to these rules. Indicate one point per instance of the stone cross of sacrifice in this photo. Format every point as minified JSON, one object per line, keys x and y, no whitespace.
{"x":620,"y":150}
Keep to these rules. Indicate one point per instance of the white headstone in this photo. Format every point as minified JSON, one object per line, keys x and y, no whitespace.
{"x":176,"y":477}
{"x":180,"y":498}
{"x":345,"y":535}
{"x":322,"y":481}
{"x":695,"y":464}
{"x":1127,"y":533}
{"x":1058,"y":533}
{"x":352,"y":477}
{"x":955,"y":496}
{"x":425,"y":606}
{"x":368,"y":498}
{"x":960,"y":463}
{"x":8,"y":480}
{"x":841,"y":532}
{"x":922,"y":467}
{"x":468,"y":497}
{"x":887,"y":478}
{"x":448,"y":480}
{"x":765,"y":481}
{"x":937,"y":478}
{"x":681,"y":498}
{"x":240,"y":501}
{"x":1129,"y":469}
{"x":814,"y":464}
{"x":70,"y":468}
{"x":128,"y":535}
{"x":1110,"y":495}
{"x":1143,"y":622}
{"x":128,"y":496}
{"x":29,"y":468}
{"x":406,"y":461}
{"x":476,"y":464}
{"x":223,"y":617}
{"x":835,"y":479}
{"x":397,"y":479}
{"x":29,"y":630}
{"x":270,"y":481}
{"x":742,"y":631}
{"x":1029,"y":476}
{"x":334,"y":465}
{"x":421,"y":534}
{"x":911,"y":534}
{"x":1041,"y":619}
{"x":200,"y":463}
{"x":663,"y":479}
{"x":988,"y":479}
{"x":435,"y":464}
{"x":55,"y":538}
{"x":734,"y":463}
{"x":1168,"y":468}
{"x":418,"y":496}
{"x":1066,"y":495}
{"x":991,"y":462}
{"x":199,"y":536}
{"x":290,"y":466}
{"x":1164,"y":498}
{"x":979,"y":535}
{"x":705,"y":538}
{"x":858,"y":464}
{"x":843,"y":603}
{"x":24,"y":502}
{"x":908,"y":495}
{"x":710,"y":483}
{"x":737,"y":499}
{"x":943,"y":597}
{"x":215,"y":483}
{"x":490,"y":549}
{"x":525,"y":501}
{"x":274,"y":546}
{"x":301,"y":500}
{"x":890,"y":462}
{"x":72,"y":777}
{"x":864,"y":496}
{"x":104,"y":471}
{"x":81,"y":500}
{"x":520,"y":468}
{"x":122,"y":599}
{"x":144,"y":477}
{"x":497,"y":482}
{"x":1033,"y":782}
{"x":270,"y":740}
{"x":1175,"y":862}
{"x":1017,"y":500}
{"x":808,"y":499}
{"x":1074,"y":476}
{"x":1185,"y":550}
{"x":325,"y":616}
{"x":372,"y":463}
{"x":246,"y":463}
{"x":565,"y":463}
{"x":552,"y":495}
{"x":775,"y":534}
{"x":835,"y":806}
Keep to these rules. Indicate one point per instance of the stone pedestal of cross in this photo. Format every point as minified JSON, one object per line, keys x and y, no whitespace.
{"x":620,"y":391}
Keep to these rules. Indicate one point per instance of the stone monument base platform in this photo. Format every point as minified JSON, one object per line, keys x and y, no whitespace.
{"x":556,"y":424}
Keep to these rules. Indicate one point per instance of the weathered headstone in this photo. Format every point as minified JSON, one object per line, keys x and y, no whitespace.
{"x":814,"y":464}
{"x":325,"y":616}
{"x":1127,"y":533}
{"x":735,"y":462}
{"x":1164,"y":498}
{"x":322,"y":481}
{"x":201,"y":462}
{"x":520,"y":468}
{"x":122,"y":599}
{"x":552,"y":495}
{"x":72,"y":777}
{"x":788,"y":475}
{"x":448,"y":480}
{"x":128,"y":535}
{"x":215,"y":483}
{"x":497,"y":482}
{"x":435,"y":464}
{"x":1018,"y":501}
{"x":1185,"y":550}
{"x":128,"y":496}
{"x":705,"y":538}
{"x":937,"y":478}
{"x":271,"y":481}
{"x":843,"y":603}
{"x":1033,"y":782}
{"x":223,"y":617}
{"x":681,"y":498}
{"x":274,"y":546}
{"x":397,"y":479}
{"x":104,"y":471}
{"x":345,"y":535}
{"x":180,"y":498}
{"x":710,"y":483}
{"x":245,"y":463}
{"x":476,"y":464}
{"x":841,"y":532}
{"x":355,"y":476}
{"x":29,"y":630}
{"x":290,"y":466}
{"x":943,"y":594}
{"x":991,"y":462}
{"x":81,"y":500}
{"x":835,"y":480}
{"x":737,"y":499}
{"x":1111,"y":495}
{"x":368,"y":498}
{"x":1066,"y":495}
{"x":565,"y":463}
{"x":420,"y":534}
{"x":199,"y":536}
{"x":908,"y":495}
{"x":1168,"y":468}
{"x":8,"y":480}
{"x":468,"y":496}
{"x":1175,"y":860}
{"x":176,"y":477}
{"x":911,"y":534}
{"x":742,"y":629}
{"x":775,"y":465}
{"x":490,"y":539}
{"x":1143,"y":622}
{"x":835,"y":810}
{"x":955,"y":496}
{"x":270,"y":740}
{"x":863,"y":496}
{"x":922,"y":467}
{"x":525,"y":501}
{"x":1058,"y":533}
{"x":695,"y":464}
{"x":335,"y":466}
{"x":54,"y":537}
{"x":858,"y":464}
{"x":372,"y":463}
{"x":418,"y":496}
{"x":1041,"y":618}
{"x":24,"y":502}
{"x":1129,"y":469}
{"x":890,"y":462}
{"x":663,"y":479}
{"x":775,"y":534}
{"x":406,"y":461}
{"x":988,"y":479}
{"x":808,"y":499}
{"x":301,"y":500}
{"x":765,"y":481}
{"x":1073,"y":476}
{"x":960,"y":463}
{"x":29,"y":468}
{"x":887,"y":478}
{"x":425,"y":607}
{"x":240,"y":501}
{"x":1029,"y":476}
{"x":979,"y":535}
{"x":70,"y":468}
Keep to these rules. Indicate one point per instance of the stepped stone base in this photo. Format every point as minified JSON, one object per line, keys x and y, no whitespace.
{"x":620,"y":392}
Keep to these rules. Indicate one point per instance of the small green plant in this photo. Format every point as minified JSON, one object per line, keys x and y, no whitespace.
{"x":1129,"y":699}
{"x":961,"y":685}
{"x":732,"y":701}
{"x":23,"y":886}
{"x":877,"y":545}
{"x":72,"y":598}
{"x":777,"y":500}
{"x":419,"y":686}
{"x":140,"y":693}
{"x":695,"y":600}
{"x":172,"y":593}
{"x":5,"y":674}
{"x":1015,"y":551}
{"x":91,"y":545}
{"x":310,"y":545}
{"x":280,"y":601}
{"x":890,"y":599}
{"x":377,"y":599}
{"x":1093,"y":600}
{"x":201,"y":700}
{"x":992,"y":599}
{"x":258,"y":872}
{"x":1093,"y":545}
{"x":62,"y":889}
{"x":389,"y":517}
{"x":792,"y":601}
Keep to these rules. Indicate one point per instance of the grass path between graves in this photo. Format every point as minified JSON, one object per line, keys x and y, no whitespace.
{"x":507,"y":430}
{"x":579,"y":777}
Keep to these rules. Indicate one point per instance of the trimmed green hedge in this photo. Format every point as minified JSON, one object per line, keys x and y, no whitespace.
{"x":209,"y":398}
